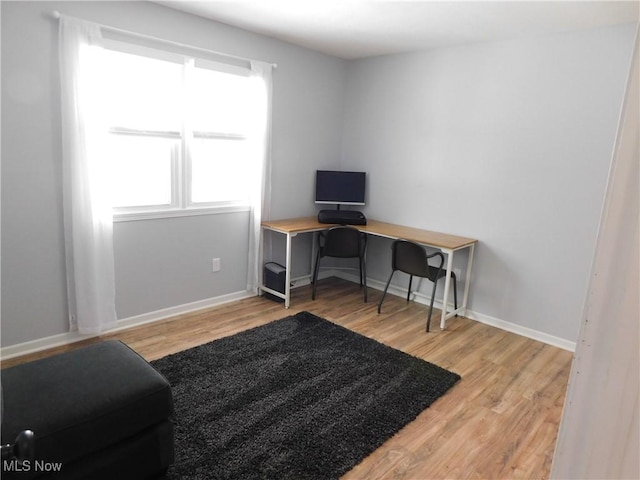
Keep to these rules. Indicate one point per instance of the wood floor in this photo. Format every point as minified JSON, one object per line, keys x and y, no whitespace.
{"x":499,"y":422}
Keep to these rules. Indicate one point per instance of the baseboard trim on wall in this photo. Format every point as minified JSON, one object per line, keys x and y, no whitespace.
{"x":523,"y":331}
{"x":33,"y":346}
{"x":479,"y":317}
{"x":67,"y":338}
{"x":165,"y":313}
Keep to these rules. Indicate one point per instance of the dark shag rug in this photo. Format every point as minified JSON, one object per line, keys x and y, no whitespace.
{"x":298,"y":398}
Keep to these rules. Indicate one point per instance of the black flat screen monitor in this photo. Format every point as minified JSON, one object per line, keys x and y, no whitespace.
{"x":340,"y":188}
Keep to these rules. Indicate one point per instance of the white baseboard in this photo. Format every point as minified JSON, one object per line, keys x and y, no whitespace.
{"x":41,"y":344}
{"x":137,"y":320}
{"x":524,"y":331}
{"x":180,"y":310}
{"x":479,"y":317}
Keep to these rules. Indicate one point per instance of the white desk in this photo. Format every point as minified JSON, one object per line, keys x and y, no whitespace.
{"x":447,"y":244}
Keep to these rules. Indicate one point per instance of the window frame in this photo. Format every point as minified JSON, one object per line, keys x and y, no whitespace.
{"x":182,"y":203}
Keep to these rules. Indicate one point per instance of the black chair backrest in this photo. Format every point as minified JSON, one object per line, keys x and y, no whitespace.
{"x":411,"y":258}
{"x":342,"y":242}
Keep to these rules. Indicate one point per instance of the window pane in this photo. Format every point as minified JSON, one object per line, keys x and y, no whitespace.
{"x":218,"y":101}
{"x":142,"y":93}
{"x":141,"y":170}
{"x":218,"y":170}
{"x":161,"y":107}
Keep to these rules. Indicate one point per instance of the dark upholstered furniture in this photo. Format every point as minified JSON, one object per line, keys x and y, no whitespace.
{"x":99,"y":412}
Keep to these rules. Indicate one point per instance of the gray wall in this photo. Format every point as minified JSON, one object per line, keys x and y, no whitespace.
{"x":159,"y":263}
{"x":506,"y":142}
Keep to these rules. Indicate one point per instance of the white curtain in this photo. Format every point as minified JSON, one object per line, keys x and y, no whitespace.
{"x":87,"y":212}
{"x":261,"y":74}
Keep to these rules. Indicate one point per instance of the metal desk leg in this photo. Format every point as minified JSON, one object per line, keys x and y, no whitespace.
{"x":447,"y":282}
{"x":287,"y":281}
{"x":467,"y":281}
{"x":312,"y":262}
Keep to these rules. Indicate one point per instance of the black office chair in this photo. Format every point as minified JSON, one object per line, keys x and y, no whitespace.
{"x":342,"y":242}
{"x":411,"y":258}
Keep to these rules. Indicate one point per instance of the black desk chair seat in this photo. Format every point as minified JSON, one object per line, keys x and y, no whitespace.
{"x":411,"y":258}
{"x":342,"y":242}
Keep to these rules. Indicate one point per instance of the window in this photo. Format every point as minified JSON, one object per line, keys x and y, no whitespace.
{"x":178,"y":130}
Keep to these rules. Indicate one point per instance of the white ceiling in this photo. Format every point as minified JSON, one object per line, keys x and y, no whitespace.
{"x":357,"y":28}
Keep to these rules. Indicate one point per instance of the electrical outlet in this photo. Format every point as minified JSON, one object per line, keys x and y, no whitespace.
{"x":215,"y":265}
{"x":458,"y":272}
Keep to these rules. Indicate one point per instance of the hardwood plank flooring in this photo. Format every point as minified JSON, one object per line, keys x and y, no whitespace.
{"x":499,"y":422}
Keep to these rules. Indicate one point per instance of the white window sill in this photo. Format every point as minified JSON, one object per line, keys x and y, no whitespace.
{"x":183,"y":212}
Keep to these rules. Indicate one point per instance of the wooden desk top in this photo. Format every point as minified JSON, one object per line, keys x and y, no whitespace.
{"x":373,"y":227}
{"x":296,"y":225}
